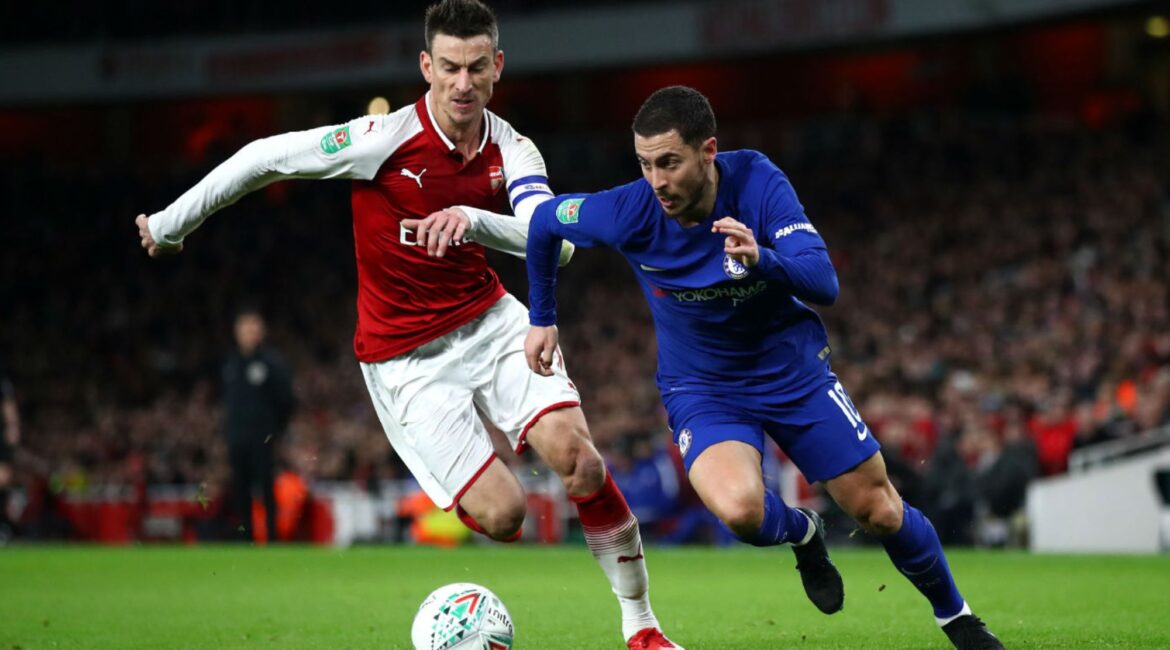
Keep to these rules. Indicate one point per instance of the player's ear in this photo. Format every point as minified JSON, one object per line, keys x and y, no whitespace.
{"x":709,"y":148}
{"x":424,"y":64}
{"x":499,"y":65}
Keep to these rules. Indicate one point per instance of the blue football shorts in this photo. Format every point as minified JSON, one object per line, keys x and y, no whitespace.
{"x":822,"y":432}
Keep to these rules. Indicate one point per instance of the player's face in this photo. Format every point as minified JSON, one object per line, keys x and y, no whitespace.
{"x":679,"y":173}
{"x":461,"y":72}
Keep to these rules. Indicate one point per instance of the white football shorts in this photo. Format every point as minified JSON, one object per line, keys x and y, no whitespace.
{"x":427,"y":399}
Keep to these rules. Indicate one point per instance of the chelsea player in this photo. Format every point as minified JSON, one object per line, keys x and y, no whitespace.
{"x":728,"y":262}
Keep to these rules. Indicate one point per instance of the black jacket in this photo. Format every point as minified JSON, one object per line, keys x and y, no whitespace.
{"x":257,"y":396}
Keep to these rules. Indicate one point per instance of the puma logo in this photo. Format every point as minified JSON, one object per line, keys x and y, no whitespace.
{"x":414,"y":177}
{"x":622,"y":559}
{"x":369,"y":129}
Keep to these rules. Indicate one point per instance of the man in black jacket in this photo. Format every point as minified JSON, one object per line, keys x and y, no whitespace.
{"x":258,"y":402}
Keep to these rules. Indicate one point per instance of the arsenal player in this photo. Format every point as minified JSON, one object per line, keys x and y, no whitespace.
{"x":438,"y":338}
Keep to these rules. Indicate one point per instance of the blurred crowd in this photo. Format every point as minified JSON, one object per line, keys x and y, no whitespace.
{"x":130,"y":20}
{"x":1004,"y":301}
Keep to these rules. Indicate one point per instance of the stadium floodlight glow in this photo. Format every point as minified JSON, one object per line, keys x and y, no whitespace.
{"x":378,"y":106}
{"x":1157,"y":27}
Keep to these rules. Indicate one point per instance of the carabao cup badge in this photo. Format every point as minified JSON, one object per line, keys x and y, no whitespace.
{"x":733,"y":268}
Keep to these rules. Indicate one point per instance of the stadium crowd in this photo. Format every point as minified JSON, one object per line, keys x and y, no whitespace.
{"x":137,"y":20}
{"x":1004,"y":300}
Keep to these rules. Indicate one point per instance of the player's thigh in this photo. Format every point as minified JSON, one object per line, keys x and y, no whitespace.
{"x":509,"y":394}
{"x":728,"y":478}
{"x":428,"y":416}
{"x":561,"y":437}
{"x":823,"y":433}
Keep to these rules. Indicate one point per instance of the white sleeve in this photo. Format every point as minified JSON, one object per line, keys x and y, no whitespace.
{"x":355,"y":150}
{"x":505,"y":233}
{"x":525,"y":174}
{"x":527,"y":182}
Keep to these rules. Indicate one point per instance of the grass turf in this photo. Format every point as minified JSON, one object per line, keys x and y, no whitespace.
{"x":297,"y":597}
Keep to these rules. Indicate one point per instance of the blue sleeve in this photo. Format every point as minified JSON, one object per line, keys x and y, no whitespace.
{"x":587,"y":220}
{"x":794,"y":255}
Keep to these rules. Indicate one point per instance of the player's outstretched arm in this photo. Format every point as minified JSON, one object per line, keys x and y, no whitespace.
{"x":459,"y":224}
{"x":584,"y":219}
{"x":326,"y":152}
{"x":153,"y":248}
{"x":439,"y":230}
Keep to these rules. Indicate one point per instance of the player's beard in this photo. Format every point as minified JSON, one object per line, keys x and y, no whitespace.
{"x":690,"y":211}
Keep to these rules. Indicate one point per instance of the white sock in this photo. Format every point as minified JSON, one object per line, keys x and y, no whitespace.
{"x":966,"y":611}
{"x":619,"y":552}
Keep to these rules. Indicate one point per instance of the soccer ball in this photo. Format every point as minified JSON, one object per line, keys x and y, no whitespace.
{"x":462,"y":615}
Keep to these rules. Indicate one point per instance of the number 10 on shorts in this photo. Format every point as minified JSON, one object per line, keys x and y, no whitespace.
{"x":841,"y":398}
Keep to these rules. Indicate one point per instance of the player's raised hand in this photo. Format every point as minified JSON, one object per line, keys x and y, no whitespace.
{"x":539,"y":347}
{"x":439,"y":230}
{"x":740,"y":243}
{"x":153,"y":248}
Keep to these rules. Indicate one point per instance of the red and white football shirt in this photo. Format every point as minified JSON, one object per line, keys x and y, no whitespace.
{"x":403,"y":166}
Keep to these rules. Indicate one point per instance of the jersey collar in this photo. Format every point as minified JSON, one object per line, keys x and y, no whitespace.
{"x":426,"y":101}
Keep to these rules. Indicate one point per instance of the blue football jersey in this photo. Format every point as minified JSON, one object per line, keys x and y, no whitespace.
{"x":721,"y":327}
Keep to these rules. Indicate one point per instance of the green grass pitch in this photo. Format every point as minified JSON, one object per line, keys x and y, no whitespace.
{"x":298,"y":597}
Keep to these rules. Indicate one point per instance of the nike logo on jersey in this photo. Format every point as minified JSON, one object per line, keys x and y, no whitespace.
{"x":414,"y":177}
{"x":652,"y":269}
{"x":861,"y":435}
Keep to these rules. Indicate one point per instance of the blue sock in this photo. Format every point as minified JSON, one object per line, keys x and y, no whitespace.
{"x":918,"y":554}
{"x":781,"y":524}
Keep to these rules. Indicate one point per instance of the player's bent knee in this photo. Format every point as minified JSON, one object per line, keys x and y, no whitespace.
{"x":503,"y":523}
{"x":880,"y":516}
{"x":743,"y":514}
{"x":586,"y":471}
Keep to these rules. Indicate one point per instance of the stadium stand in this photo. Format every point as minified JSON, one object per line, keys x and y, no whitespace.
{"x":1003,"y":269}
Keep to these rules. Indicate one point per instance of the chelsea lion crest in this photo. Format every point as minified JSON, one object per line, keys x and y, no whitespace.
{"x":684,"y":441}
{"x":733,"y":268}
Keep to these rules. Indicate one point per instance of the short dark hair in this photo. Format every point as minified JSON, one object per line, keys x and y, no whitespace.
{"x":461,"y":19}
{"x":676,"y":108}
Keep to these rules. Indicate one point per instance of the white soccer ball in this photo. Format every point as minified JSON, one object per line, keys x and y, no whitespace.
{"x":462,"y":615}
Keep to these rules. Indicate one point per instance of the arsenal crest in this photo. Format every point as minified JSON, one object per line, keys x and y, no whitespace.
{"x":496,"y":175}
